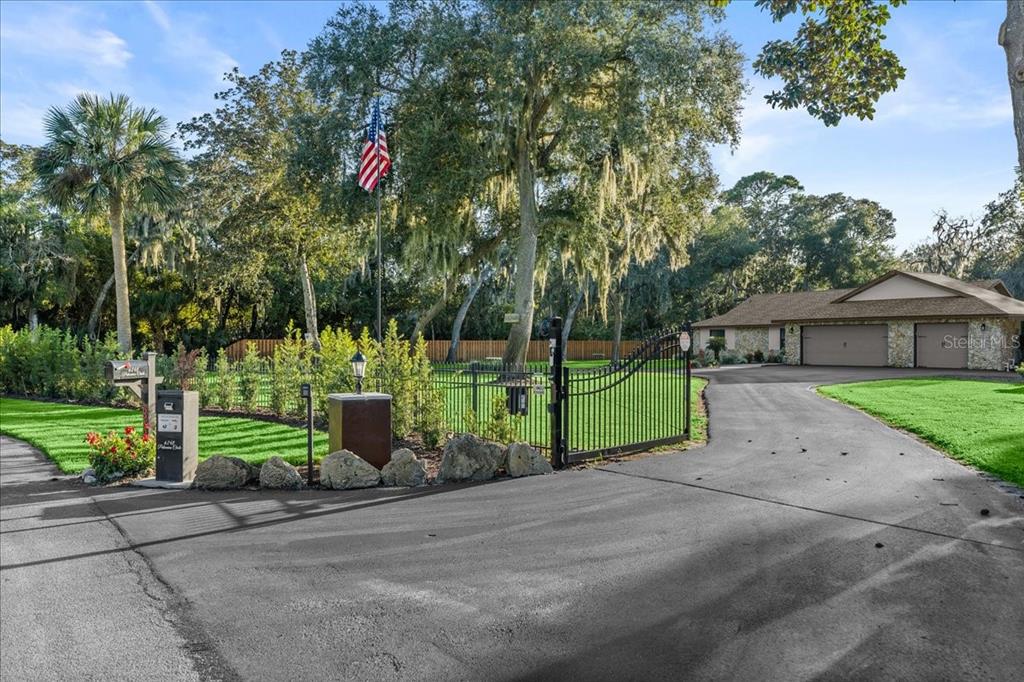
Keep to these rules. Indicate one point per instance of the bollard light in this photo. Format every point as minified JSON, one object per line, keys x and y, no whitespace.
{"x":359,"y":370}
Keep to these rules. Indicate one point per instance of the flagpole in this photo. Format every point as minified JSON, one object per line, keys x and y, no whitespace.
{"x":380,"y":268}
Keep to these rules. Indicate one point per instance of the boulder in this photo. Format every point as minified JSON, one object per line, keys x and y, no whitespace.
{"x":223,"y":473}
{"x":404,"y":469}
{"x":277,"y":473}
{"x":523,"y":460}
{"x":89,"y":476}
{"x":343,"y":470}
{"x":469,"y":458}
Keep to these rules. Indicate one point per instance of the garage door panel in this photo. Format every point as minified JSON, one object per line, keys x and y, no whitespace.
{"x":941,"y":345}
{"x":861,"y":345}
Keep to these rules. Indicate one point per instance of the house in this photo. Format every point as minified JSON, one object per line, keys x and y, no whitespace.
{"x":901,"y":319}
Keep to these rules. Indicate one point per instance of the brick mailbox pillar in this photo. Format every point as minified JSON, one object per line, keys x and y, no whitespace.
{"x":360,"y":423}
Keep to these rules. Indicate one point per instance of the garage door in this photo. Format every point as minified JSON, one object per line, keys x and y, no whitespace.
{"x":859,"y":345}
{"x":942,"y":345}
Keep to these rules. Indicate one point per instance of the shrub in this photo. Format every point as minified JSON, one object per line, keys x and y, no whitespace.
{"x":51,"y":363}
{"x":749,"y":357}
{"x":429,"y":409}
{"x":189,"y":371}
{"x":226,"y":388}
{"x":250,"y":377}
{"x":114,"y":456}
{"x":333,"y":371}
{"x":394,"y":376}
{"x":1020,"y":369}
{"x":286,"y":374}
{"x":716,"y":344}
{"x":758,"y":356}
{"x":501,"y":426}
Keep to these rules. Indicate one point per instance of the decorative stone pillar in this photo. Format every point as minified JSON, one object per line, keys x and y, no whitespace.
{"x":901,"y":344}
{"x":793,"y":344}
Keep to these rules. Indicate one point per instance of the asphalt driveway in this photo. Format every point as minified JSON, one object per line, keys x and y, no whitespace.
{"x":806,"y":541}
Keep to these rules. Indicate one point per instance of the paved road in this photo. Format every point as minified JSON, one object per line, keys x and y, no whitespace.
{"x":83,"y":605}
{"x":755,"y":557}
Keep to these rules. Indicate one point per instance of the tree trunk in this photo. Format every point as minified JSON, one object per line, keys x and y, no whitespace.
{"x":570,"y":316}
{"x":97,"y":308}
{"x":94,"y":316}
{"x":309,"y":303}
{"x":225,"y":311}
{"x":460,"y":315}
{"x":426,"y":316}
{"x":526,"y":258}
{"x":33,"y":316}
{"x":254,"y":320}
{"x":1011,"y":37}
{"x":617,"y":328}
{"x":124,"y":316}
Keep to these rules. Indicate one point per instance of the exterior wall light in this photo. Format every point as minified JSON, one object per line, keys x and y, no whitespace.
{"x":359,"y":370}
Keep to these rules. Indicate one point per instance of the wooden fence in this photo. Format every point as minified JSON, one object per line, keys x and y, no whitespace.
{"x":473,"y":350}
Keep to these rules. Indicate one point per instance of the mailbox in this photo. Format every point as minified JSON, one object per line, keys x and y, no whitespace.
{"x":177,"y":435}
{"x":120,"y":372}
{"x":518,"y":399}
{"x":139,"y":377}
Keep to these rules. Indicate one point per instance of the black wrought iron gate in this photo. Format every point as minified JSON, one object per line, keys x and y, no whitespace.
{"x":639,"y":402}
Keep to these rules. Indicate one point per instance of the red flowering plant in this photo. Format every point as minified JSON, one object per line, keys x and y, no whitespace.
{"x":115,"y":455}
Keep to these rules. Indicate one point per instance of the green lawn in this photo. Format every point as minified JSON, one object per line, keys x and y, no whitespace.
{"x":977,"y":422}
{"x":645,"y":406}
{"x":59,"y":431}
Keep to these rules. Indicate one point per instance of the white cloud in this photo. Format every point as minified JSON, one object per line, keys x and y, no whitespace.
{"x":158,"y":14}
{"x":20,"y":120}
{"x":58,"y":35}
{"x":185,"y":42}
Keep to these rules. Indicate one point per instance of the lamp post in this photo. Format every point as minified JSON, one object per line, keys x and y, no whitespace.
{"x":359,"y":370}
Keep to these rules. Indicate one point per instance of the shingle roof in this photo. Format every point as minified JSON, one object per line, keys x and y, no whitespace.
{"x":970,"y":300}
{"x":760,"y":309}
{"x":993,"y":284}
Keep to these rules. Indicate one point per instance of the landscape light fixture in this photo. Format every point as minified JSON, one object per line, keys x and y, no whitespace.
{"x":359,"y":370}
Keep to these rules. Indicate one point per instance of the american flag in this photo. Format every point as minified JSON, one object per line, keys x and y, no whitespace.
{"x":375,"y":162}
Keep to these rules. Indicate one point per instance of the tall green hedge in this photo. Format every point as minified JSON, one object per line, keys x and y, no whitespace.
{"x":50,"y":363}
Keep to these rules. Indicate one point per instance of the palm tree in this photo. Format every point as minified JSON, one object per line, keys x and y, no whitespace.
{"x":107,"y":154}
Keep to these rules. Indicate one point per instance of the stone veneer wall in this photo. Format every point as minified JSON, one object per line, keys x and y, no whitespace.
{"x":793,"y":342}
{"x":994,"y":347}
{"x":751,"y":339}
{"x":901,"y":344}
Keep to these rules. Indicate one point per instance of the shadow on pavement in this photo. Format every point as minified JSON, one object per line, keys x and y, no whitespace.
{"x":288,"y":507}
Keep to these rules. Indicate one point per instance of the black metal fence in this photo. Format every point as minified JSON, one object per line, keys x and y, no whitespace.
{"x":634,"y":405}
{"x":502,"y":402}
{"x":574,"y":413}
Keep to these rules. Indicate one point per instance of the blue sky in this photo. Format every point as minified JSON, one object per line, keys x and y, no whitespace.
{"x":944,"y":139}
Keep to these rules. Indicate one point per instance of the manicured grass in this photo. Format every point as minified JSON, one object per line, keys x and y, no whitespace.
{"x":59,"y":431}
{"x":642,"y":407}
{"x":977,"y":422}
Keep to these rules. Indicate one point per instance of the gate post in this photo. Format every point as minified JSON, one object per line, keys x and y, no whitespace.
{"x":555,"y":358}
{"x":473,"y":371}
{"x":686,"y":383}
